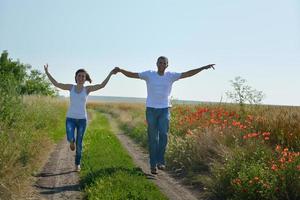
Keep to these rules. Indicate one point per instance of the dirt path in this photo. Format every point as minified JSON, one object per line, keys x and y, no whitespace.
{"x":172,"y":188}
{"x":58,"y":179}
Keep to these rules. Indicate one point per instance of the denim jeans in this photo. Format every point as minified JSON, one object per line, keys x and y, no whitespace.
{"x":158,"y":120}
{"x":80,"y":126}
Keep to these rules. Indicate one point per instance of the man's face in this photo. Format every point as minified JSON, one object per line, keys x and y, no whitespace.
{"x":162,"y":64}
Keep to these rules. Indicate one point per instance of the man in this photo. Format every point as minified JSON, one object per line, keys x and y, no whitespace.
{"x":159,"y":86}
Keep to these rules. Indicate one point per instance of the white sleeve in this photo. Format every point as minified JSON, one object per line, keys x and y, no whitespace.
{"x":175,"y":76}
{"x":144,"y":75}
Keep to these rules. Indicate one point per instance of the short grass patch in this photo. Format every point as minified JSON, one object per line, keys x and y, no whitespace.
{"x":108,"y":171}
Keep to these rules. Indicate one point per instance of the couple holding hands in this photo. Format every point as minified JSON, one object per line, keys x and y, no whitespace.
{"x":159,"y":86}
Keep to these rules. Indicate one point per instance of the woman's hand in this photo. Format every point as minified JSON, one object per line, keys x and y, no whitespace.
{"x":46,"y":68}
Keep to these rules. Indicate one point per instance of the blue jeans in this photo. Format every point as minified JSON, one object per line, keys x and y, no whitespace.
{"x":80,"y":126}
{"x":158,"y":120}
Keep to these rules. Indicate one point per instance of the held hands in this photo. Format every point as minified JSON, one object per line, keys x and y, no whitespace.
{"x":118,"y":69}
{"x":209,"y":66}
{"x":115,"y":70}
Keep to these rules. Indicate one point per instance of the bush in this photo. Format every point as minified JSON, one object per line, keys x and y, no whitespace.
{"x":255,"y":173}
{"x":16,"y":82}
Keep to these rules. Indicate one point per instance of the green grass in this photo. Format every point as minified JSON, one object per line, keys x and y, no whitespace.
{"x":108,"y":171}
{"x":40,"y":122}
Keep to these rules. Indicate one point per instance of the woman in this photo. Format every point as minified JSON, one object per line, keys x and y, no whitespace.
{"x":77,"y":115}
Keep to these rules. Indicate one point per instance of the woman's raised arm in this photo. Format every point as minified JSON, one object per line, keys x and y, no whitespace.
{"x":54,"y":82}
{"x":93,"y":88}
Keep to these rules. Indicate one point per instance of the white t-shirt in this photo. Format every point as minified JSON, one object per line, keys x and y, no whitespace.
{"x":77,"y":108}
{"x":159,"y":88}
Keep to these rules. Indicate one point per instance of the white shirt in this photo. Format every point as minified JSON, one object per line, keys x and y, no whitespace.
{"x":77,"y":108}
{"x":159,"y":88}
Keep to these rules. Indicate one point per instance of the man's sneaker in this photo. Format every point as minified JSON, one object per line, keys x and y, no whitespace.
{"x":161,"y":167}
{"x":153,"y":170}
{"x":72,"y":146}
{"x":77,"y":168}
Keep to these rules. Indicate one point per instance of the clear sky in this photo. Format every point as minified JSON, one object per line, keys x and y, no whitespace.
{"x":258,"y":40}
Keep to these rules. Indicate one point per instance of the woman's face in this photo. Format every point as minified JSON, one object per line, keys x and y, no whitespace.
{"x":81,"y":78}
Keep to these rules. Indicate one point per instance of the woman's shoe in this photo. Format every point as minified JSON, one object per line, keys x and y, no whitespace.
{"x":72,"y":146}
{"x":78,"y":168}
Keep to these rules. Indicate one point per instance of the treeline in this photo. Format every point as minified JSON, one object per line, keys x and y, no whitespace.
{"x":18,"y":79}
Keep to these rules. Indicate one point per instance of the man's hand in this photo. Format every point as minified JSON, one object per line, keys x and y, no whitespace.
{"x":209,"y":66}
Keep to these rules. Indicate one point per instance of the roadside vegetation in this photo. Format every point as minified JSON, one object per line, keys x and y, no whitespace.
{"x":29,"y":125}
{"x":226,"y":151}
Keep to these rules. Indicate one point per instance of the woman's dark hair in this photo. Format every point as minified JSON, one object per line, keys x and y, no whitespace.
{"x":87,"y":76}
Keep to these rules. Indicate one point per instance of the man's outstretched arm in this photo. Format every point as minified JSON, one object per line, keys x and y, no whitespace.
{"x":196,"y":71}
{"x":128,"y":73}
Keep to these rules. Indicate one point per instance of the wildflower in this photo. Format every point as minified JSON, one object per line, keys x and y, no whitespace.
{"x":250,"y":117}
{"x":254,"y":134}
{"x":267,"y":138}
{"x":189,"y":132}
{"x":274,"y":167}
{"x":278,"y":148}
{"x":237,"y":181}
{"x":266,"y":134}
{"x":243,"y":127}
{"x":282,"y":160}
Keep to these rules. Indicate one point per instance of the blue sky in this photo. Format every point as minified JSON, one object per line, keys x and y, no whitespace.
{"x":257,"y":40}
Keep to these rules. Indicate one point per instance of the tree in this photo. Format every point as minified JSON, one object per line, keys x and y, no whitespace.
{"x":36,"y":84}
{"x":243,"y":93}
{"x":12,"y":74}
{"x":15,"y":82}
{"x":12,"y":71}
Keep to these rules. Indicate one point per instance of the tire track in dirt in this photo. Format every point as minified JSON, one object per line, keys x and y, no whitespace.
{"x":172,"y":188}
{"x":58,"y":180}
